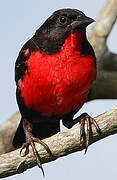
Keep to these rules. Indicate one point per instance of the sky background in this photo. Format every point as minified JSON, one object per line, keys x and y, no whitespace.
{"x":18,"y":22}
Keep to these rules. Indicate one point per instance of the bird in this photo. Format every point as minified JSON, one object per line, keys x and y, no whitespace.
{"x":54,"y":73}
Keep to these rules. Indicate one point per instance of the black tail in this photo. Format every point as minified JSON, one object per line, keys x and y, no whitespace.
{"x":40,"y":130}
{"x":19,"y":137}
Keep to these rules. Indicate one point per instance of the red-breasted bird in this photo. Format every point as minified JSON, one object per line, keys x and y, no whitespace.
{"x":54,"y":71}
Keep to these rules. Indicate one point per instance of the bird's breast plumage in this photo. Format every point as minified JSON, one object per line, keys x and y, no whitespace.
{"x":57,"y":83}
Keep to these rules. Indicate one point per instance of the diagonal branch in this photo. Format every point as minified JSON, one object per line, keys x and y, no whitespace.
{"x":60,"y":144}
{"x":103,"y":27}
{"x":105,"y":85}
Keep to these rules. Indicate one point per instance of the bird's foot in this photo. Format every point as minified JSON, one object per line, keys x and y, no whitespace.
{"x":30,"y":140}
{"x":87,"y":122}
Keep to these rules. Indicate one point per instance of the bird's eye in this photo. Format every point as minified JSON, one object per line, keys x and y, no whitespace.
{"x":79,"y":16}
{"x":63,"y":19}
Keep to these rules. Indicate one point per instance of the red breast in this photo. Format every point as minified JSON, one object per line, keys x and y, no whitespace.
{"x":58,"y":83}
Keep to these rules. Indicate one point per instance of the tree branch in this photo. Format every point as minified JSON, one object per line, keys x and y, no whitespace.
{"x":105,"y":85}
{"x":103,"y":27}
{"x":60,"y":144}
{"x":7,"y":131}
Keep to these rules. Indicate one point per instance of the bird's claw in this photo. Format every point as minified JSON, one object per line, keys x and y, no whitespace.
{"x":30,"y":140}
{"x":26,"y":147}
{"x":87,"y":121}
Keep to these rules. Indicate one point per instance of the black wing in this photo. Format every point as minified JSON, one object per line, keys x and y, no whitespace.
{"x":20,"y":65}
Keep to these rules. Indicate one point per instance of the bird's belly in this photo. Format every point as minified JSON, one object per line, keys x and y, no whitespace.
{"x":56,"y":99}
{"x":56,"y":91}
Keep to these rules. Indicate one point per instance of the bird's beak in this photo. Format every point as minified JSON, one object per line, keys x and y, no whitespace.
{"x":82,"y":22}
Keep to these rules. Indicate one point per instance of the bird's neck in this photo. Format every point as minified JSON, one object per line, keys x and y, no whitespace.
{"x":49,"y":45}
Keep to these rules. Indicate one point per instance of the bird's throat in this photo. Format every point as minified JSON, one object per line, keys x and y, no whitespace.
{"x":74,"y":41}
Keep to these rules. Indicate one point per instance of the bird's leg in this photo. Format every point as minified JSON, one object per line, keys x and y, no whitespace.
{"x":30,"y":140}
{"x":87,"y":122}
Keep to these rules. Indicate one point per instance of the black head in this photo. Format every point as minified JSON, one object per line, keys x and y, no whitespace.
{"x":52,"y":34}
